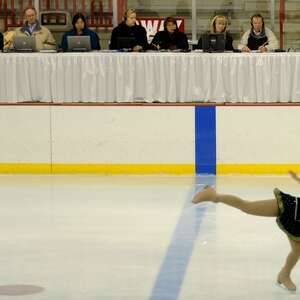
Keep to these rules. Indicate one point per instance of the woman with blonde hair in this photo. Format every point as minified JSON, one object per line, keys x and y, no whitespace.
{"x":219,"y":24}
{"x":129,"y":34}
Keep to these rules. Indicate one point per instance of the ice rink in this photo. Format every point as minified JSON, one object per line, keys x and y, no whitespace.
{"x":138,"y":237}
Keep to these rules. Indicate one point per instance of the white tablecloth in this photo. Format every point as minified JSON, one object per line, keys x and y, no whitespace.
{"x":136,"y":77}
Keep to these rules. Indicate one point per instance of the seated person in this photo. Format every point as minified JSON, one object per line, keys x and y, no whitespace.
{"x":129,"y":29}
{"x":219,"y":24}
{"x":170,"y":38}
{"x":44,"y":40}
{"x":80,"y":28}
{"x":1,"y":41}
{"x":258,"y":37}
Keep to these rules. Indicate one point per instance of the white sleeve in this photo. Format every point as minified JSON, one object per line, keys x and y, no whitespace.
{"x":244,"y":40}
{"x":272,"y":40}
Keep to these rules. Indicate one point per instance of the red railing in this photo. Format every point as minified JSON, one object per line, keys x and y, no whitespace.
{"x":281,"y":22}
{"x":13,"y":16}
{"x":98,"y":14}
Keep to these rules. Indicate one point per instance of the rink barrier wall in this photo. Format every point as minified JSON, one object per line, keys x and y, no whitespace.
{"x":149,"y":139}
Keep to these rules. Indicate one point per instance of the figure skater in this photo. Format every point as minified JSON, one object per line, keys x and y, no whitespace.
{"x":284,"y":207}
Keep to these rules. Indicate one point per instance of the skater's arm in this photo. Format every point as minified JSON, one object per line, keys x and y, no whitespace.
{"x":294,"y":176}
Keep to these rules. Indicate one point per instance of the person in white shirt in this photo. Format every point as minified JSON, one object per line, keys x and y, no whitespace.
{"x":259,"y":37}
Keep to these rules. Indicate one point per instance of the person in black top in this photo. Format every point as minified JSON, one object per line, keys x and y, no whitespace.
{"x":128,"y":34}
{"x":219,"y":24}
{"x":1,"y":41}
{"x":170,"y":38}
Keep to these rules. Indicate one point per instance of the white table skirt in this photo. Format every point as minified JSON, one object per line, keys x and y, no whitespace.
{"x":148,"y":77}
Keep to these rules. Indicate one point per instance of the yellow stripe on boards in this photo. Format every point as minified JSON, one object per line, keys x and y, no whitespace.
{"x":124,"y":169}
{"x":25,"y":168}
{"x":32,"y":168}
{"x":172,"y":169}
{"x":256,"y":169}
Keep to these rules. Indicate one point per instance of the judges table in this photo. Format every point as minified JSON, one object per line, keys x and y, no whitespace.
{"x":148,"y":77}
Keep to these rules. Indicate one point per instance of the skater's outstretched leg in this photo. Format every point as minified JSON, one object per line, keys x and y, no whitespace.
{"x":266,"y":208}
{"x":291,"y":260}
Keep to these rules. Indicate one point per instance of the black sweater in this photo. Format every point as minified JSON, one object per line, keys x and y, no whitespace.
{"x":255,"y":41}
{"x":165,"y":40}
{"x":137,"y":33}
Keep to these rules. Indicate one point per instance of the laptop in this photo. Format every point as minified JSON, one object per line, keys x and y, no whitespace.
{"x":79,"y":43}
{"x":125,"y":43}
{"x":24,"y":43}
{"x":213,"y":42}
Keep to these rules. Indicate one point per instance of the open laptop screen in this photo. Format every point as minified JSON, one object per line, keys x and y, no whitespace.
{"x":127,"y":42}
{"x":24,"y":43}
{"x":79,"y":43}
{"x":213,"y":42}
